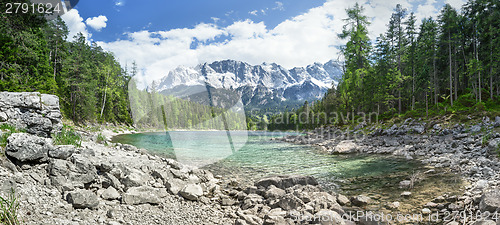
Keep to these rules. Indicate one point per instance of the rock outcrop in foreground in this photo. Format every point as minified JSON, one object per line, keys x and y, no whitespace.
{"x":38,"y":114}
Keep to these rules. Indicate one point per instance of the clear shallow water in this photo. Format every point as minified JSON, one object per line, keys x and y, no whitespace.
{"x":253,"y":155}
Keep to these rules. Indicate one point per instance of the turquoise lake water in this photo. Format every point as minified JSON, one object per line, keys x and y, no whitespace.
{"x":253,"y":155}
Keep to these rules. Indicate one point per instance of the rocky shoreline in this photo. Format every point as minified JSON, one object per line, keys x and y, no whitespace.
{"x":120,"y":184}
{"x":470,"y":151}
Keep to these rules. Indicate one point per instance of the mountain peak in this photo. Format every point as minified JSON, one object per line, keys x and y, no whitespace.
{"x":268,"y":82}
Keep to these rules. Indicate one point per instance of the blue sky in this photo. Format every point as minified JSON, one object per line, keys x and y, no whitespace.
{"x":162,"y":35}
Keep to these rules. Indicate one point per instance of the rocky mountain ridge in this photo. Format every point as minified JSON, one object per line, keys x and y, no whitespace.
{"x":265,"y":84}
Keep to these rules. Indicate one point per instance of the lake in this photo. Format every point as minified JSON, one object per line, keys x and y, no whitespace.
{"x":249,"y":156}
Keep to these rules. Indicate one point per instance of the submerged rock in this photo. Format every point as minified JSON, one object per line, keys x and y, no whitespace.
{"x":286,"y":181}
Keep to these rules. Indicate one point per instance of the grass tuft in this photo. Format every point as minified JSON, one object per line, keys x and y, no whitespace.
{"x":9,"y":209}
{"x":68,"y":136}
{"x":7,"y":131}
{"x":100,"y":138}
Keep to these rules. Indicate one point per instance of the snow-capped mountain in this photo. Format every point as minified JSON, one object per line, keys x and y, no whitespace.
{"x":259,"y":85}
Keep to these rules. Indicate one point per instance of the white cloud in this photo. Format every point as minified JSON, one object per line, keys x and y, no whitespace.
{"x":299,"y":41}
{"x":97,"y":23}
{"x":427,"y":10}
{"x":253,"y":12}
{"x":279,"y":6}
{"x":75,"y":24}
{"x":457,"y":4}
{"x":119,"y":2}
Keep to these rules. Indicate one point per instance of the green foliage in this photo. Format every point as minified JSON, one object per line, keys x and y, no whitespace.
{"x":68,"y":136}
{"x":35,"y":56}
{"x":100,"y":138}
{"x":485,"y":139}
{"x":7,"y":131}
{"x":9,"y":209}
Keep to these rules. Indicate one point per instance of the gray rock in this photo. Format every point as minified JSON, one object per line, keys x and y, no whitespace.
{"x":494,"y":146}
{"x":289,"y":202}
{"x":248,"y":219}
{"x":490,"y":201}
{"x":82,"y":199}
{"x":329,"y":217}
{"x":393,"y":205}
{"x":360,"y":200}
{"x":175,"y":185}
{"x":342,"y":200}
{"x":62,"y":151}
{"x":475,"y":129}
{"x":111,"y":180}
{"x":37,"y":113}
{"x":28,"y":148}
{"x":143,"y":195}
{"x":275,"y":193}
{"x":406,"y":194}
{"x":284,"y":182}
{"x":110,"y":194}
{"x":135,"y":178}
{"x":404,"y":184}
{"x":345,"y":147}
{"x":191,"y":192}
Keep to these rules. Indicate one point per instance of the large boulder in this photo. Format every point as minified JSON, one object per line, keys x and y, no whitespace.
{"x":286,"y":181}
{"x":191,"y":192}
{"x":490,"y":201}
{"x":134,"y":178}
{"x":329,"y":217}
{"x":28,"y":148}
{"x":38,"y":114}
{"x":66,"y":175}
{"x":143,"y":195}
{"x":81,"y":199}
{"x":345,"y":147}
{"x":62,"y":151}
{"x":360,"y":200}
{"x":494,"y":146}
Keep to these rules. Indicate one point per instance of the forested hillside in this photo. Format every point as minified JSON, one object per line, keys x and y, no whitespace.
{"x":35,"y":56}
{"x":446,"y":65}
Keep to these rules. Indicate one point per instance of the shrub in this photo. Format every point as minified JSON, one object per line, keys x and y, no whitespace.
{"x":9,"y":209}
{"x":8,"y":130}
{"x":485,"y":139}
{"x":100,"y":138}
{"x":68,"y":136}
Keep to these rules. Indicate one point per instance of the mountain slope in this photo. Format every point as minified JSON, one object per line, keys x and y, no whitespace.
{"x":259,"y":86}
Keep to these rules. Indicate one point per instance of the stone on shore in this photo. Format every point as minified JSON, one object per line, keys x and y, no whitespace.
{"x":62,"y":151}
{"x":28,"y":148}
{"x":345,"y":147}
{"x":360,"y":200}
{"x":284,"y":182}
{"x":143,"y":195}
{"x":81,"y":199}
{"x":191,"y":192}
{"x":110,"y":194}
{"x":490,"y":201}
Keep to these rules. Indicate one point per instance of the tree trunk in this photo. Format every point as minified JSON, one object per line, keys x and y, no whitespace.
{"x":435,"y":79}
{"x":413,"y":88}
{"x":426,"y":105}
{"x":55,"y":62}
{"x":451,"y":78}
